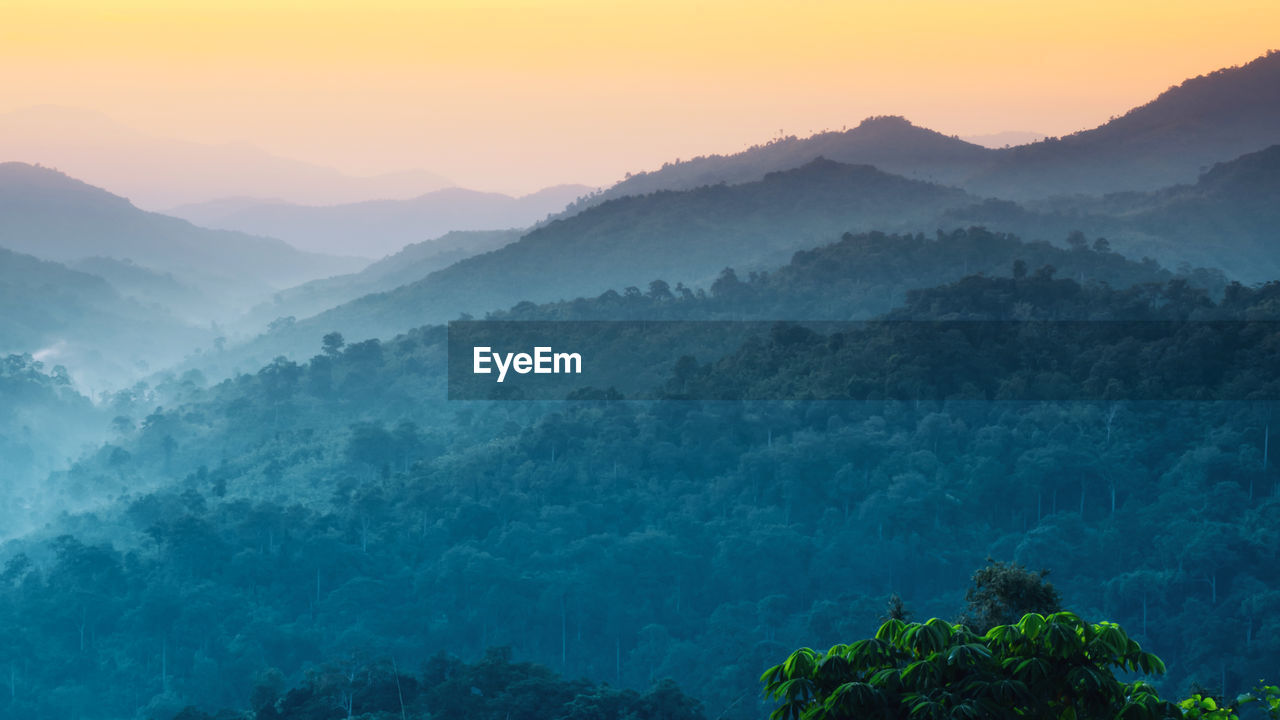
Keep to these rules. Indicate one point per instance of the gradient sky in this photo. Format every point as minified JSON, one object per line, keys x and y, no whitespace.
{"x":513,"y":96}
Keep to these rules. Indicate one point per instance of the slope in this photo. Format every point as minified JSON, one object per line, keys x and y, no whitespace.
{"x":679,"y":236}
{"x":50,"y":215}
{"x":889,"y":143}
{"x":413,"y":263}
{"x":71,"y":318}
{"x":1170,"y":140}
{"x":378,"y":228}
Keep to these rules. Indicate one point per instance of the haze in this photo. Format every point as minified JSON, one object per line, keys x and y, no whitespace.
{"x":516,"y":96}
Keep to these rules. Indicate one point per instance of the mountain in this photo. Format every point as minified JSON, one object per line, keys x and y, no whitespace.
{"x":1208,"y":119}
{"x":687,"y":237}
{"x":52,"y":216}
{"x":149,"y":287}
{"x":301,"y":509}
{"x":413,"y":263}
{"x":66,"y":317}
{"x":1170,"y":140}
{"x":679,"y":236}
{"x":378,"y":228}
{"x":1226,"y":219}
{"x":889,"y":143}
{"x":1229,"y":216}
{"x":158,"y":173}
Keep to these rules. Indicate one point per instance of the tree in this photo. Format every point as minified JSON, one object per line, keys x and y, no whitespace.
{"x":1003,"y":592}
{"x":659,"y":290}
{"x":332,"y":343}
{"x":1057,"y":667}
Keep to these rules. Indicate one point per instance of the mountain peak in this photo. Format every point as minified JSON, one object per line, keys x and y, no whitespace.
{"x":886,"y":122}
{"x":24,"y":183}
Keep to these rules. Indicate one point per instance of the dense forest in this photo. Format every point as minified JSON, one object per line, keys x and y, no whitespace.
{"x":328,"y":539}
{"x":894,"y":425}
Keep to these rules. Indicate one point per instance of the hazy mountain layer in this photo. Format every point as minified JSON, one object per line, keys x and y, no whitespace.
{"x":378,"y":228}
{"x":1170,"y":140}
{"x":891,"y":144}
{"x":682,"y":236}
{"x":47,"y":214}
{"x":1226,"y":219}
{"x":158,"y":173}
{"x":1208,"y":119}
{"x":65,"y":317}
{"x":413,"y":263}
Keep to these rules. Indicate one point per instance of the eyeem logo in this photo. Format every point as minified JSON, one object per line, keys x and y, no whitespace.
{"x":542,"y":362}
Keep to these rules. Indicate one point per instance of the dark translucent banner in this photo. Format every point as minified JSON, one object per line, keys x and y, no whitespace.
{"x":877,"y":360}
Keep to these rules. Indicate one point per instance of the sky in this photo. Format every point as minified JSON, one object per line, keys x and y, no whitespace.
{"x":514,"y":96}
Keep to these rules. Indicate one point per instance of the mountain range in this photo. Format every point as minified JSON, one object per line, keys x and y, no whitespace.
{"x":79,"y":320}
{"x":49,"y":215}
{"x":411,"y":264}
{"x":158,"y":172}
{"x":689,"y":220}
{"x":1168,"y":141}
{"x":381,"y":227}
{"x":1225,"y":220}
{"x":681,"y":237}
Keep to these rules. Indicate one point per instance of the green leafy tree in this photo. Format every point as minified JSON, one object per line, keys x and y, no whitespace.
{"x":1058,"y":667}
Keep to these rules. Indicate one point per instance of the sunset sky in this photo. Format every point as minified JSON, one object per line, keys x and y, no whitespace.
{"x":513,"y":96}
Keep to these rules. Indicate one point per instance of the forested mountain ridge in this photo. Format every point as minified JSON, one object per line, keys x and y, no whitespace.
{"x":79,"y":320}
{"x":410,"y":264}
{"x":159,"y":290}
{"x":1208,"y":119}
{"x":680,"y":236}
{"x":864,"y":275}
{"x":890,"y":143}
{"x":1204,"y":120}
{"x":52,"y":216}
{"x":328,"y":516}
{"x":36,"y":396}
{"x":1226,"y":219}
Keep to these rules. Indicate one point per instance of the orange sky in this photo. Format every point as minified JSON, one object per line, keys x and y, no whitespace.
{"x":516,"y":95}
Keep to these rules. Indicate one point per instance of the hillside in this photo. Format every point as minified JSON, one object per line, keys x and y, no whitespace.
{"x":71,"y":318}
{"x":889,"y":143}
{"x":149,"y":287}
{"x":411,"y":264}
{"x":683,"y":237}
{"x":1226,"y":219}
{"x":50,"y":215}
{"x":1170,"y":140}
{"x":620,"y":541}
{"x":379,"y":228}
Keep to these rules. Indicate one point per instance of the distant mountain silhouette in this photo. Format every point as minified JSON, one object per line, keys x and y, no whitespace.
{"x":1170,"y":140}
{"x":381,"y":227}
{"x":52,"y":216}
{"x":1226,"y":220}
{"x":685,"y":237}
{"x":890,"y":143}
{"x":157,"y":173}
{"x":412,"y":263}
